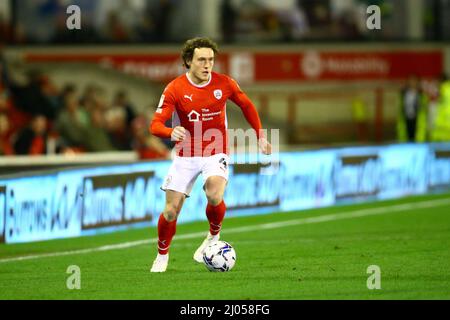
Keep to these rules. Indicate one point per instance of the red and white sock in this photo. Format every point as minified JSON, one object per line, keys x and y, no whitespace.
{"x":215,"y":216}
{"x":166,"y":231}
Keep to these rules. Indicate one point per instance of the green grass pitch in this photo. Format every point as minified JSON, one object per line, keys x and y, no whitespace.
{"x":312,"y":254}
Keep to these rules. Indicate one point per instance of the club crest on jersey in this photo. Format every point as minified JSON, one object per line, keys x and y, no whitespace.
{"x":218,"y":94}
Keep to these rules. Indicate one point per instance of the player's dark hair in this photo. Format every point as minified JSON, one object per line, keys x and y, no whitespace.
{"x":187,"y":53}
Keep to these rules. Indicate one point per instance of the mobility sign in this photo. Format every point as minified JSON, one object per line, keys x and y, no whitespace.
{"x":251,"y":67}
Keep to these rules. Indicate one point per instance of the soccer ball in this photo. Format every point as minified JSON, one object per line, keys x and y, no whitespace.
{"x":219,"y":257}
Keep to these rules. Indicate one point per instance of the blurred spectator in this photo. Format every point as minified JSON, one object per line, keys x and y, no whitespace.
{"x":347,"y":26}
{"x":228,"y":17}
{"x":441,"y":130}
{"x":68,"y":89}
{"x":119,"y":118}
{"x":17,"y":119}
{"x":93,"y":97}
{"x":145,"y":144}
{"x":114,"y":30}
{"x":413,"y":110}
{"x":97,"y":138}
{"x":72,"y":122}
{"x":317,"y":12}
{"x":145,"y":30}
{"x":252,"y":21}
{"x":20,"y":35}
{"x":281,"y":20}
{"x":122,"y":101}
{"x":88,"y":98}
{"x":293,"y":21}
{"x":5,"y":136}
{"x":5,"y":29}
{"x":32,"y":140}
{"x":36,"y":97}
{"x":162,"y":15}
{"x":129,"y":16}
{"x":116,"y":124}
{"x":51,"y":93}
{"x":3,"y":75}
{"x":431,"y":90}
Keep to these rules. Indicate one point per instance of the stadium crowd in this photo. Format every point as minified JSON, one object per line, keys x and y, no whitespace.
{"x":38,"y":118}
{"x":239,"y":21}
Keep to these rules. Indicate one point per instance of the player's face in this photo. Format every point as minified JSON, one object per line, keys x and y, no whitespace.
{"x":201,"y":65}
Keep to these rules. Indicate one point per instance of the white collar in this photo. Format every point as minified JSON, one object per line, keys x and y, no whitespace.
{"x":197,"y":85}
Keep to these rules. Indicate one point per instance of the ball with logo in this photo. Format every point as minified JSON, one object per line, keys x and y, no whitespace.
{"x":219,"y":256}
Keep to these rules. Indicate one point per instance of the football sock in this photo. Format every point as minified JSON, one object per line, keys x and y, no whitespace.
{"x":215,"y":216}
{"x":166,"y":231}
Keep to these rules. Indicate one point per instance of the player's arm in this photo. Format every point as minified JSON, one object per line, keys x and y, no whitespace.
{"x":162,"y":114}
{"x":250,"y":114}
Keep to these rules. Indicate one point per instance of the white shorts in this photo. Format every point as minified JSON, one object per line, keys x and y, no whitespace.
{"x":184,"y":171}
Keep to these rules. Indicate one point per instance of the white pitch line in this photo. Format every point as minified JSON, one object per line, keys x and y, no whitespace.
{"x":272,"y":225}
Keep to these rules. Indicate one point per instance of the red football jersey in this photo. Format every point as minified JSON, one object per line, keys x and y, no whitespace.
{"x":201,"y":110}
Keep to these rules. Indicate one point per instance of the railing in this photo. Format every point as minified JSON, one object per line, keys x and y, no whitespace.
{"x":332,"y":115}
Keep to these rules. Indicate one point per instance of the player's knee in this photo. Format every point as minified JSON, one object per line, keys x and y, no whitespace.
{"x":214,"y":197}
{"x":170,"y":212}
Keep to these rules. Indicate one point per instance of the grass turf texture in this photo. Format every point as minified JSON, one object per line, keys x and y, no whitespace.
{"x":326,"y":260}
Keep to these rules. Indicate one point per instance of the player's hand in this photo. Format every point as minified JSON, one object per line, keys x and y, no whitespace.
{"x":178,"y":134}
{"x":266,"y":147}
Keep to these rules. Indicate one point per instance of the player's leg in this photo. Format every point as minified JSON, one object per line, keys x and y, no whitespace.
{"x":167,"y":225}
{"x":215,"y":175}
{"x":215,"y":212}
{"x":178,"y":185}
{"x":168,"y":219}
{"x":215,"y":209}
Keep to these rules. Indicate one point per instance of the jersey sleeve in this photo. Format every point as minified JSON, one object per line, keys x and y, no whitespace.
{"x":164,"y":112}
{"x":247,"y":107}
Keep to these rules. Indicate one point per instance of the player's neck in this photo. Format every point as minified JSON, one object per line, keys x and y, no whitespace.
{"x":196,"y":81}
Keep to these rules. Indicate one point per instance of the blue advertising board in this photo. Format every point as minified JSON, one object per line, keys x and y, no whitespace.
{"x":85,"y":201}
{"x":2,"y":213}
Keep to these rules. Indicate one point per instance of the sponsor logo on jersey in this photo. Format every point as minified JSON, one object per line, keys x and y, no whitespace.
{"x":194,"y":116}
